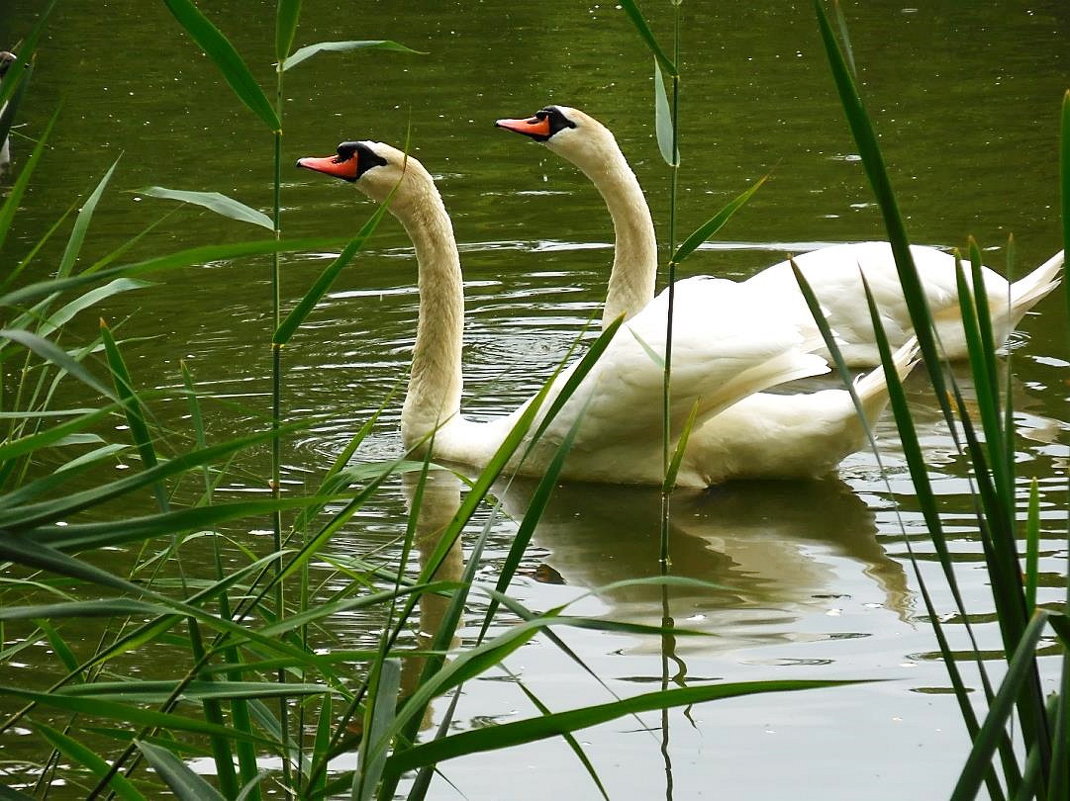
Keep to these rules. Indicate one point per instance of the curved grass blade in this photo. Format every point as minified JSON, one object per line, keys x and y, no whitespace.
{"x":51,"y":436}
{"x":97,"y":708}
{"x":378,"y":717}
{"x":213,"y":201}
{"x":50,"y":352}
{"x":640,"y":23}
{"x":81,"y":224}
{"x":540,"y":728}
{"x":663,"y":120}
{"x":89,"y":759}
{"x":716,"y":222}
{"x":297,"y":316}
{"x":1019,"y":674}
{"x":873,"y":162}
{"x":118,"y":607}
{"x":218,"y":48}
{"x":206,"y":254}
{"x":57,"y":509}
{"x":66,"y":313}
{"x":287,"y":14}
{"x":184,"y":783}
{"x":306,"y":52}
{"x":107,"y":535}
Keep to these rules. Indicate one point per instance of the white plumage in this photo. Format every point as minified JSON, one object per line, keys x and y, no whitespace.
{"x":725,"y":347}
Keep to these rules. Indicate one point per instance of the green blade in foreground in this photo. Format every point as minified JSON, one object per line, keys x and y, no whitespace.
{"x":287,"y":14}
{"x":213,"y":201}
{"x":88,"y":758}
{"x":540,"y":728}
{"x":306,"y":52}
{"x":218,"y":48}
{"x":184,"y":783}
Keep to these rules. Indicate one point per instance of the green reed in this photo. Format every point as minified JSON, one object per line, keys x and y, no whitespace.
{"x":1019,"y":704}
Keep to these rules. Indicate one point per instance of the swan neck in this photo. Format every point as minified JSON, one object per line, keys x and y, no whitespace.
{"x":635,"y":255}
{"x":434,"y":392}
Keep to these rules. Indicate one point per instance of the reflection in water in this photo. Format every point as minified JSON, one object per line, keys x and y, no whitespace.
{"x":439,"y":503}
{"x":766,"y":544}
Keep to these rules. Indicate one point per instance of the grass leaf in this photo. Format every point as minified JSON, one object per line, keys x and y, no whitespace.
{"x":184,"y":783}
{"x":306,"y":52}
{"x":534,"y":729}
{"x":287,"y":14}
{"x":213,"y":201}
{"x":218,"y":48}
{"x":663,"y":120}
{"x":640,"y":23}
{"x":716,"y":222}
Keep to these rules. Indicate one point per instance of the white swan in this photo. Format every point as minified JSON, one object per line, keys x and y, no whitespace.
{"x":801,"y":435}
{"x":6,"y":60}
{"x":729,"y":350}
{"x":833,"y":271}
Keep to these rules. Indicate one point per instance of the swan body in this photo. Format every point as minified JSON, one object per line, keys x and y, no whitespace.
{"x":832,"y":272}
{"x":800,"y":435}
{"x":729,"y":348}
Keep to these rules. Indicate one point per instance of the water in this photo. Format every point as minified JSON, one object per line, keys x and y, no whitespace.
{"x":815,"y":578}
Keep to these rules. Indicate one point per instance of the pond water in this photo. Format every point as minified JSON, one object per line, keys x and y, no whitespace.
{"x":816,"y":578}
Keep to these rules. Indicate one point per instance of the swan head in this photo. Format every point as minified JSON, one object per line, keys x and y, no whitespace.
{"x":569,"y":132}
{"x":6,"y":60}
{"x":375,"y":168}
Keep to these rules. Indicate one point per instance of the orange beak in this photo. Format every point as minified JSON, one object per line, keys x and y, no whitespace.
{"x":346,"y":169}
{"x":538,"y":129}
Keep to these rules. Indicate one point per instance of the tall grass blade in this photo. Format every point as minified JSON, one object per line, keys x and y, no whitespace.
{"x":1019,"y":675}
{"x":50,"y":352}
{"x":135,"y":417}
{"x":307,"y":303}
{"x":306,"y":52}
{"x":184,"y":783}
{"x":287,"y":15}
{"x":715,"y":223}
{"x":66,"y":313}
{"x":873,"y":162}
{"x":213,"y":201}
{"x":117,"y":607}
{"x":184,"y":258}
{"x":127,"y":713}
{"x":218,"y":48}
{"x":663,"y":120}
{"x":89,"y":759}
{"x":81,"y":224}
{"x":1032,"y":548}
{"x":380,"y":714}
{"x":540,"y":728}
{"x":640,"y":23}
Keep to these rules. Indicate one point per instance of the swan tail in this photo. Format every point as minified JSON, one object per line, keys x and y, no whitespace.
{"x":872,"y":387}
{"x":1027,"y":291}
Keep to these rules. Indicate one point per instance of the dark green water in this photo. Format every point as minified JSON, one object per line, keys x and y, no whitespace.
{"x":966,"y":99}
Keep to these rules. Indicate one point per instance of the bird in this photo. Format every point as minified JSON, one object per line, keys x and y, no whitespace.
{"x":7,"y":58}
{"x":833,"y":272}
{"x":730,"y":350}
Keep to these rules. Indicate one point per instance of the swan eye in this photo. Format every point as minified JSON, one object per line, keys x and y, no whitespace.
{"x":365,"y":157}
{"x":556,"y":119}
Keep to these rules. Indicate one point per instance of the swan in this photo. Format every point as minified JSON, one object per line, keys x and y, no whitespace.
{"x":6,"y":60}
{"x":833,"y":272}
{"x":731,"y":348}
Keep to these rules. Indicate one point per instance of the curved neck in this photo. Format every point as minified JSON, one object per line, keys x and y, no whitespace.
{"x":635,"y":255}
{"x":434,"y":393}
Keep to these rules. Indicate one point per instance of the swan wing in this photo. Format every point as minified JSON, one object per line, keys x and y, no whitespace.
{"x":726,"y":344}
